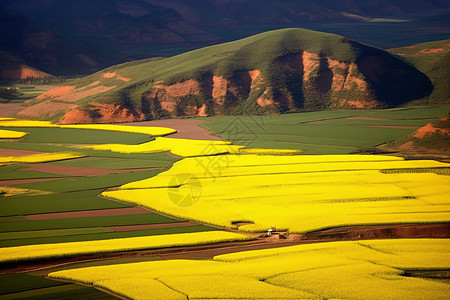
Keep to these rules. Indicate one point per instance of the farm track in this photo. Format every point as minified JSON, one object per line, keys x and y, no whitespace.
{"x":351,"y":233}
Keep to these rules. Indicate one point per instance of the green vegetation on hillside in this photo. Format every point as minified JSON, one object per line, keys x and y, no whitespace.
{"x":432,"y":138}
{"x":433,"y":59}
{"x":393,"y":82}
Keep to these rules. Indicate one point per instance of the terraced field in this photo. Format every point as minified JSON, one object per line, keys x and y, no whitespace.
{"x":99,"y":204}
{"x":317,"y":271}
{"x":298,"y":193}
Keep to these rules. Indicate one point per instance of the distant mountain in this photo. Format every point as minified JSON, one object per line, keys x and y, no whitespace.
{"x":280,"y":71}
{"x":84,"y":36}
{"x":49,"y":51}
{"x":13,"y":68}
{"x":433,"y":138}
{"x":433,"y":59}
{"x":240,"y":12}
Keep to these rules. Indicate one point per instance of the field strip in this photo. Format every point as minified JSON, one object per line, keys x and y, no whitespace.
{"x":371,"y":269}
{"x":90,"y":213}
{"x":30,"y":180}
{"x":82,"y":171}
{"x":391,"y":126}
{"x":18,"y":152}
{"x":349,"y":233}
{"x":10,"y":134}
{"x":51,"y":233}
{"x":154,"y":131}
{"x":150,"y":226}
{"x":50,"y":251}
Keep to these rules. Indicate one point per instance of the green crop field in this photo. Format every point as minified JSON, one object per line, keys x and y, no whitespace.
{"x":13,"y":283}
{"x":156,"y":161}
{"x":19,"y":171}
{"x":59,"y":202}
{"x":81,"y":237}
{"x":79,"y":136}
{"x":6,"y":225}
{"x":325,"y":132}
{"x":23,"y":286}
{"x":88,"y":183}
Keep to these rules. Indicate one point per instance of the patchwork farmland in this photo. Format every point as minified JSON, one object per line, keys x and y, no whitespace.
{"x":116,"y":207}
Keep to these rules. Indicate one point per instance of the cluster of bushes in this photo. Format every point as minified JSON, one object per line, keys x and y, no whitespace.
{"x":9,"y":93}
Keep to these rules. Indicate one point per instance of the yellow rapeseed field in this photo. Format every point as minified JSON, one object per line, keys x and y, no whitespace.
{"x":155,"y":131}
{"x":298,"y":193}
{"x":39,"y":158}
{"x":30,"y":252}
{"x":181,"y":147}
{"x":342,"y":270}
{"x":269,"y":151}
{"x":9,"y":134}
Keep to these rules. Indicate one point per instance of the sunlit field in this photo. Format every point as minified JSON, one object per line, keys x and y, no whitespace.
{"x":298,"y":193}
{"x":338,"y":270}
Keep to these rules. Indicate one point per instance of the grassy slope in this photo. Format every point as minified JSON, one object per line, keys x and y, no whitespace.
{"x":436,"y":65}
{"x":437,"y":142}
{"x":256,"y":52}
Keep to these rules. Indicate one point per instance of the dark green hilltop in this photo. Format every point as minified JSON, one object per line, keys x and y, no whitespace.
{"x":281,"y":71}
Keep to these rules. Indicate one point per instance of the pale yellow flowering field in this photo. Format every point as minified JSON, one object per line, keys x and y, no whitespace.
{"x":181,"y":147}
{"x":39,"y":158}
{"x":189,"y":148}
{"x":342,"y":270}
{"x":298,"y":193}
{"x":269,"y":151}
{"x":155,"y":131}
{"x":9,"y":134}
{"x":30,"y":252}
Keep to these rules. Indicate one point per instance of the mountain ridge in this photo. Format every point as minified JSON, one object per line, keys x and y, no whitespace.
{"x":79,"y":37}
{"x":287,"y":70}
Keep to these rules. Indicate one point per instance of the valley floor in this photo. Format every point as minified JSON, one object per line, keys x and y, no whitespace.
{"x":62,"y":200}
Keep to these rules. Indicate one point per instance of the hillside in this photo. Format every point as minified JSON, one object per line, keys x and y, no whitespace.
{"x":433,"y":59}
{"x":433,"y":138}
{"x":280,"y":71}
